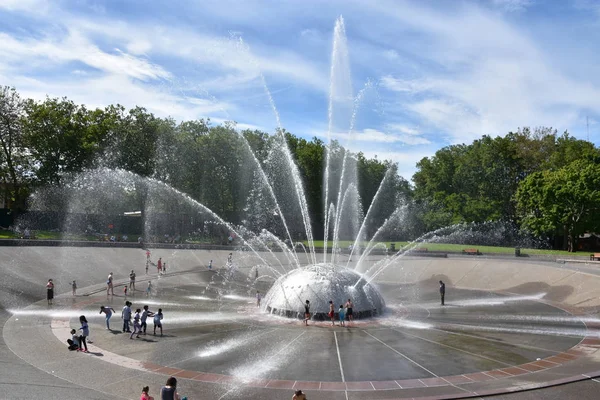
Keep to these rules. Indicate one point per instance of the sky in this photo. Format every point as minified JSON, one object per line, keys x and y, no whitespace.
{"x":397,"y":80}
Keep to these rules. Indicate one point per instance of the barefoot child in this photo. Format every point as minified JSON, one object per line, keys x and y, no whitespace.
{"x":108,"y":311}
{"x":137,"y":328}
{"x":342,"y":314}
{"x":158,"y":321}
{"x":149,"y":289}
{"x":331,"y":313}
{"x":74,"y":341}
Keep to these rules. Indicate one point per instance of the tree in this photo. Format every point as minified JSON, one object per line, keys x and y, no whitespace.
{"x":567,"y":200}
{"x":13,"y":161}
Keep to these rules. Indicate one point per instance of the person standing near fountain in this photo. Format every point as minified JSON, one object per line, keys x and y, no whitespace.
{"x":126,"y":316}
{"x":349,"y":311}
{"x":158,"y":321}
{"x":132,"y":281}
{"x":442,"y":291}
{"x":258,"y":297}
{"x":149,"y":289}
{"x":145,"y":314}
{"x":342,"y":315}
{"x":159,"y":265}
{"x":306,"y":312}
{"x":85,"y":332}
{"x":331,"y":313}
{"x":210,"y":265}
{"x":50,"y":291}
{"x":74,"y":287}
{"x":109,"y":285}
{"x":137,"y":328}
{"x":108,"y":311}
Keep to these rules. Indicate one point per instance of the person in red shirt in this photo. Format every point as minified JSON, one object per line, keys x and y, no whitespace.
{"x":159,"y":265}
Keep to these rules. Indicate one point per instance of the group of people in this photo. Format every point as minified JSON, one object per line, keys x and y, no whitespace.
{"x":167,"y":392}
{"x":78,"y":342}
{"x":110,"y":288}
{"x":345,"y":311}
{"x":140,"y":318}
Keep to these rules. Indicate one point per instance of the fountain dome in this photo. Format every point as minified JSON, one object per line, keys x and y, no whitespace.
{"x":320,"y":283}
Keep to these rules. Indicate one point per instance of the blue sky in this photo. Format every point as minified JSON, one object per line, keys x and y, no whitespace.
{"x":430,"y":73}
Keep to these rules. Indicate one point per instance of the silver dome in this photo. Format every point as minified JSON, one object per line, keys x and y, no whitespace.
{"x":319,"y":284}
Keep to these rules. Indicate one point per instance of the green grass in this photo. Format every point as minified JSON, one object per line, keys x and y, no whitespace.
{"x":457,"y":248}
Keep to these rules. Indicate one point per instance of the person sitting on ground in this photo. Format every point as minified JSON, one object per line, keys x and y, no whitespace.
{"x":298,"y":395}
{"x":74,"y":341}
{"x":145,"y":394}
{"x":169,"y":391}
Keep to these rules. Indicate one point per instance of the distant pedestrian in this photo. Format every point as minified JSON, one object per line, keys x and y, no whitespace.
{"x":342,"y":315}
{"x":125,"y":290}
{"x":147,"y":253}
{"x":210,"y":265}
{"x":256,"y":273}
{"x":349,"y":310}
{"x":50,"y":291}
{"x":85,"y":332}
{"x":109,"y":284}
{"x":74,"y":287}
{"x":126,"y":316}
{"x":298,"y":395}
{"x":136,"y":324}
{"x":230,"y":258}
{"x":164,"y":269}
{"x":258,"y":298}
{"x":149,"y":289}
{"x":108,"y":311}
{"x":442,"y":291}
{"x":132,"y":280}
{"x":147,"y":265}
{"x":306,"y":312}
{"x":159,"y":265}
{"x":331,"y":313}
{"x":145,"y":394}
{"x":158,"y":321}
{"x":145,"y":314}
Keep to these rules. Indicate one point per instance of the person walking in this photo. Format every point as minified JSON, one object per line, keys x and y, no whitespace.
{"x":50,"y":291}
{"x":145,"y":314}
{"x":108,"y":311}
{"x":132,"y":281}
{"x":349,"y":310}
{"x":258,"y":298}
{"x":149,"y":289}
{"x":137,"y":328}
{"x":158,"y":321}
{"x":442,"y":291}
{"x":74,"y":287}
{"x":306,"y":312}
{"x":159,"y":265}
{"x":126,"y":316}
{"x":331,"y":313}
{"x":109,"y":285}
{"x":85,"y":332}
{"x":210,"y":265}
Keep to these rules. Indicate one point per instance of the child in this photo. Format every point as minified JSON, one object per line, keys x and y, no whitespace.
{"x":157,"y":321}
{"x":145,"y":395}
{"x":342,"y":314}
{"x":331,"y":313}
{"x":306,"y":312}
{"x":136,"y":324}
{"x":74,"y":287}
{"x":210,"y":265}
{"x":149,"y":289}
{"x":145,"y":314}
{"x":164,"y":269}
{"x":109,"y":312}
{"x":258,"y":297}
{"x":74,"y":341}
{"x":125,"y":290}
{"x":85,"y":332}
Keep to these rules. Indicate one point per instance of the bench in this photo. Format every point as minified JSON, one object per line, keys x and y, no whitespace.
{"x":422,"y":249}
{"x":472,"y":252}
{"x":595,"y":257}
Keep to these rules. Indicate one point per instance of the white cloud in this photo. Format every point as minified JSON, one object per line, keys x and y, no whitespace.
{"x":513,"y":5}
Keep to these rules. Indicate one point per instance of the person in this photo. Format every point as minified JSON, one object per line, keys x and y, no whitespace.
{"x":256,"y":273}
{"x":125,"y":290}
{"x":109,"y":284}
{"x":145,"y":314}
{"x":132,"y":281}
{"x":147,"y":252}
{"x":149,"y":289}
{"x":74,"y":341}
{"x":158,"y":321}
{"x":331,"y":313}
{"x":230,"y":258}
{"x":126,"y":315}
{"x":164,"y":268}
{"x":85,"y":332}
{"x":349,"y":312}
{"x":442,"y":291}
{"x":74,"y":287}
{"x":342,"y":315}
{"x":169,"y":391}
{"x":298,"y":395}
{"x":159,"y":265}
{"x":137,"y":328}
{"x":258,"y":298}
{"x":50,"y":291}
{"x":145,"y":394}
{"x":147,"y":265}
{"x":210,"y":265}
{"x":306,"y":312}
{"x":108,"y":311}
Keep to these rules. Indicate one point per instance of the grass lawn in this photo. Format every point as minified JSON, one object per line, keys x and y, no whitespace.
{"x":458,"y":248}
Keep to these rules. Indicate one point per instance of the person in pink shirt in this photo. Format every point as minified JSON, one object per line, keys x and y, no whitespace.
{"x":145,"y":395}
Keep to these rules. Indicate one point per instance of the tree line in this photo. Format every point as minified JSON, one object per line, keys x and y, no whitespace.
{"x":537,"y":180}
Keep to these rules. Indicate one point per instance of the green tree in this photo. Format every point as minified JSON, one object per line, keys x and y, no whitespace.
{"x":565,"y":200}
